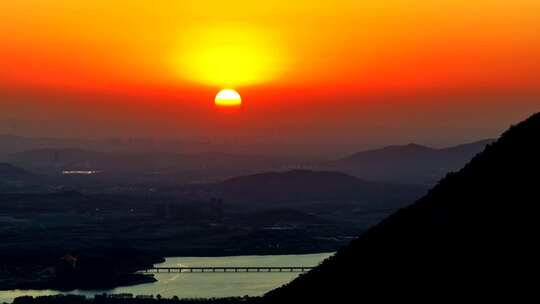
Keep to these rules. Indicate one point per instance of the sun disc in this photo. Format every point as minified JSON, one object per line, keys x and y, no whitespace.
{"x":228,"y":98}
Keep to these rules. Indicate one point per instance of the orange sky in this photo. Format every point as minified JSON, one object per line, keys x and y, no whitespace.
{"x":289,"y":60}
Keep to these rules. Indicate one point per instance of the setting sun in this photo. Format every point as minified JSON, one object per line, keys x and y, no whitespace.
{"x":228,"y":98}
{"x":165,"y":151}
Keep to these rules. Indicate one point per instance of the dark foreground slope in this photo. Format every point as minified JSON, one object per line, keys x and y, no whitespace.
{"x":472,"y":236}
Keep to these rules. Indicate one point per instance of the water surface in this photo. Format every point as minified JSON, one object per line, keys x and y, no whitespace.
{"x":204,"y":285}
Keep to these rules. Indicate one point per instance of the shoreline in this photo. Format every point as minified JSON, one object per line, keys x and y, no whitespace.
{"x":137,"y":278}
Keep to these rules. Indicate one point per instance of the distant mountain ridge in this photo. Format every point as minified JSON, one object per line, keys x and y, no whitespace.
{"x":409,"y":164}
{"x":406,"y":164}
{"x":471,"y":237}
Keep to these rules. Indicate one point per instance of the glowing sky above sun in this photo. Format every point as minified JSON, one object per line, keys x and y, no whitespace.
{"x":310,"y":69}
{"x":365,"y":45}
{"x":228,"y":56}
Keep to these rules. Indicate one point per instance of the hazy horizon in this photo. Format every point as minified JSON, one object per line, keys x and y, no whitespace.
{"x":346,"y":130}
{"x":315,"y":78}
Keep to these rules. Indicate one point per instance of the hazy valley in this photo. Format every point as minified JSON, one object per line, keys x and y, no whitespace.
{"x":102,"y":206}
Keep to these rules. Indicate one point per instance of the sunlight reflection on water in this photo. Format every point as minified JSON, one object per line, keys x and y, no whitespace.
{"x":196,"y":285}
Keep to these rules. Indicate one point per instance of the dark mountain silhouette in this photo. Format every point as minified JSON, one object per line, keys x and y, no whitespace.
{"x":14,"y":179}
{"x":10,"y":172}
{"x":472,"y":237}
{"x":297,"y":186}
{"x":407,"y":164}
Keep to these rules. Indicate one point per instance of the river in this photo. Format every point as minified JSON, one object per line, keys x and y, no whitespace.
{"x":203,"y":285}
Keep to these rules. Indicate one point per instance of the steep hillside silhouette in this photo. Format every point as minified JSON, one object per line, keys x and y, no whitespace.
{"x":471,"y":237}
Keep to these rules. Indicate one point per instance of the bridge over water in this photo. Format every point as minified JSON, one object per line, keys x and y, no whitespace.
{"x":226,"y":269}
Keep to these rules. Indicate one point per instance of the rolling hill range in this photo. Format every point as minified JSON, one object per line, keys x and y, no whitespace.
{"x":315,"y":197}
{"x":471,"y":237}
{"x":409,"y":164}
{"x":300,"y":186}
